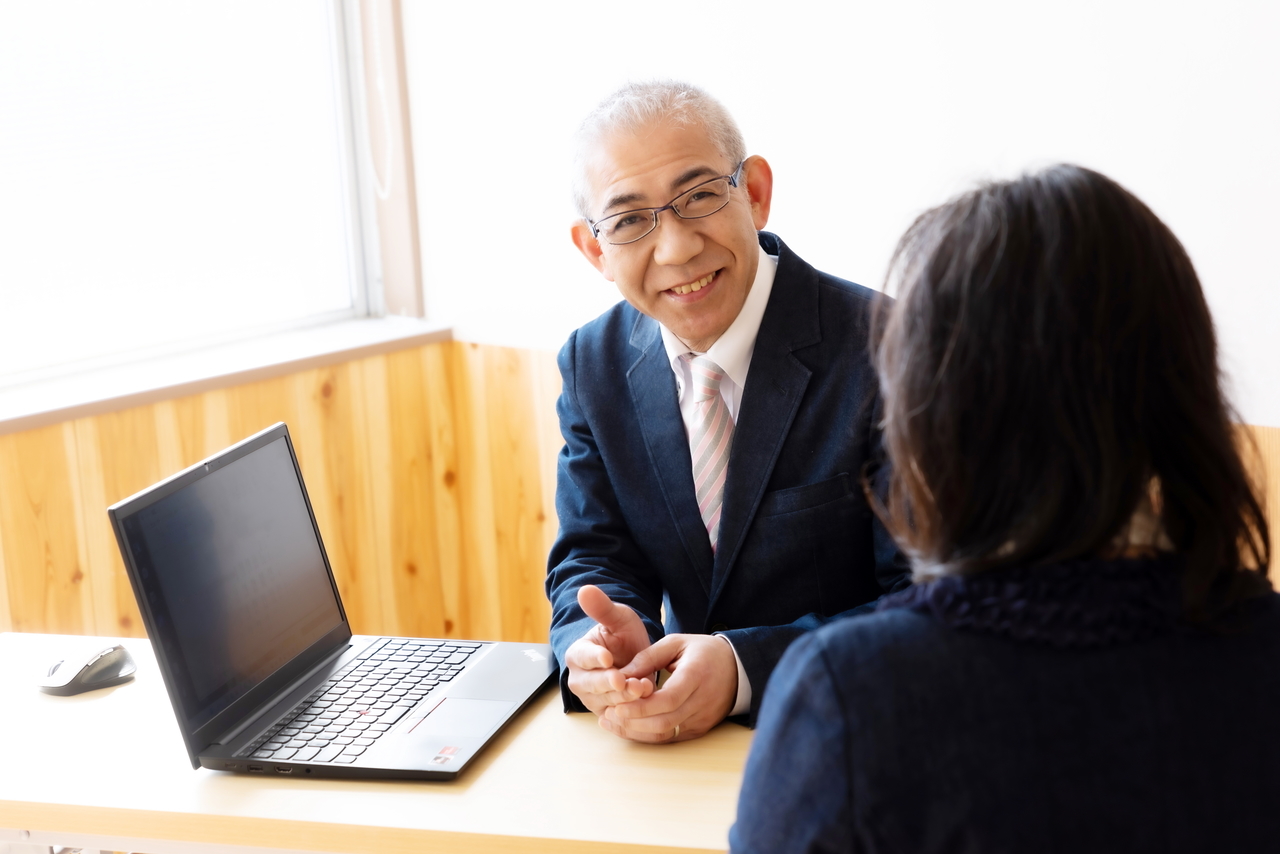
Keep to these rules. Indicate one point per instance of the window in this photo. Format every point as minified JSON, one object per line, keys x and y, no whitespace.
{"x":172,"y":174}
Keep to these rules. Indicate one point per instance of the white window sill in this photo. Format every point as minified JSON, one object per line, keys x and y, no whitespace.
{"x":92,"y":392}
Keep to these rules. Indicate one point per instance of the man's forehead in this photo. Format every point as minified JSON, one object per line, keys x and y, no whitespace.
{"x":633,"y":167}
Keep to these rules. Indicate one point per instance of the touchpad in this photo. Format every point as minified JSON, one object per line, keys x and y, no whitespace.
{"x":463,"y":718}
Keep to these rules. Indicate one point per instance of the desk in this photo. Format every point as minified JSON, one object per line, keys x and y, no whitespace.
{"x":107,"y":770}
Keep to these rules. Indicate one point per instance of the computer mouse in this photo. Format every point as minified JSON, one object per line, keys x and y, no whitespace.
{"x":107,"y":667}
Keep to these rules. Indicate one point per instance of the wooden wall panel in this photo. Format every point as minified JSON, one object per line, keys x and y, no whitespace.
{"x":44,"y":577}
{"x":411,"y":448}
{"x":427,"y":469}
{"x":115,"y":455}
{"x":6,"y":616}
{"x":478,"y":594}
{"x":519,"y":514}
{"x":1266,"y":467}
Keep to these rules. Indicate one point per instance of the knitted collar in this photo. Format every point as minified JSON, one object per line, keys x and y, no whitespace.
{"x":1087,"y":603}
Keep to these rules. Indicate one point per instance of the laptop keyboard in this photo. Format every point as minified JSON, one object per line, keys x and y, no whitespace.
{"x":342,"y":718}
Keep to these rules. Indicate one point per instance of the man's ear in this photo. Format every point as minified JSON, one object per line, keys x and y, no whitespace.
{"x":590,"y":247}
{"x":757,"y":174}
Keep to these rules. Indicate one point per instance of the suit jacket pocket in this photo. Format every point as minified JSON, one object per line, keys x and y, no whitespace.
{"x":797,"y":498}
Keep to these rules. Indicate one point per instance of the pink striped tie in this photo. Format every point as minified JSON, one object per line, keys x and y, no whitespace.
{"x":709,"y":441}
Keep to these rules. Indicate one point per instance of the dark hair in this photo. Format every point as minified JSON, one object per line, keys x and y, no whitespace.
{"x":1049,"y":362}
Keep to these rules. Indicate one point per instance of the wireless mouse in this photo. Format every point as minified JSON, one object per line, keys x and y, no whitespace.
{"x":109,"y":666}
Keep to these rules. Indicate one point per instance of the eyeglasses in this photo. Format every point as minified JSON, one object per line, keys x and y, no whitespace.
{"x":694,"y":203}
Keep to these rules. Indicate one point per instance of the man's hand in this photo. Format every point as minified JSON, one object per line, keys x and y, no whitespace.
{"x":699,"y":694}
{"x":595,"y":658}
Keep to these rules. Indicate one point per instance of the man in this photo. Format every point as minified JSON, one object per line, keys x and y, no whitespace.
{"x":717,"y":428}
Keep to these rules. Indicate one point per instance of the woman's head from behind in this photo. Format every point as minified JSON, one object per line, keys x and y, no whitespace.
{"x":1049,"y":364}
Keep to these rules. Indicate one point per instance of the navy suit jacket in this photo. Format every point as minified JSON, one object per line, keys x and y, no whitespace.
{"x":1037,"y":710}
{"x":798,"y":544}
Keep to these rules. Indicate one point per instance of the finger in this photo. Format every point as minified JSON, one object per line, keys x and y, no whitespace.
{"x":597,"y":605}
{"x":655,"y":657}
{"x":653,"y":730}
{"x":588,"y":653}
{"x":663,"y":709}
{"x":599,"y":681}
{"x":599,"y":689}
{"x":611,"y":725}
{"x":639,"y":688}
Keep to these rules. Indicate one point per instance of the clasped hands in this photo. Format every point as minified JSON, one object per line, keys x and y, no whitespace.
{"x":613,"y":667}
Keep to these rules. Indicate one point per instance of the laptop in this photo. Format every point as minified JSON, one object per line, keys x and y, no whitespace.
{"x":262,"y":670}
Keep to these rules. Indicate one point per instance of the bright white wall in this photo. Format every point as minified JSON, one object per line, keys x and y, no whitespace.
{"x":869,"y":113}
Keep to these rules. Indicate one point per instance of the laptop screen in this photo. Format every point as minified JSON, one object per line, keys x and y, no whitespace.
{"x":236,"y":581}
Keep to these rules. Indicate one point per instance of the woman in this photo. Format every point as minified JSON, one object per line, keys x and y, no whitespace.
{"x":1089,"y":659}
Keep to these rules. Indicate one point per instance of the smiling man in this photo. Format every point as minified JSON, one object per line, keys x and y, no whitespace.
{"x":717,"y":424}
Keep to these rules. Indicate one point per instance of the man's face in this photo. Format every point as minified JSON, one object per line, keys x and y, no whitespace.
{"x":717,"y":254}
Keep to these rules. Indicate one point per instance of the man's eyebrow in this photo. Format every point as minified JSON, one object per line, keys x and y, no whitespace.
{"x":695,"y":172}
{"x":631,"y":199}
{"x":623,"y":199}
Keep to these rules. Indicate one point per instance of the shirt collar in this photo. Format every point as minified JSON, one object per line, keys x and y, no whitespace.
{"x":732,"y":350}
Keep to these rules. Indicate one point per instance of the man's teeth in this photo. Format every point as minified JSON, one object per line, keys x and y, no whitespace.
{"x":696,"y":286}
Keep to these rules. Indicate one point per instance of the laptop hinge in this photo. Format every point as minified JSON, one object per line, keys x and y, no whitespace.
{"x":231,"y":736}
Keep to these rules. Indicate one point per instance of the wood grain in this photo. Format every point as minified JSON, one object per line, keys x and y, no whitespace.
{"x":427,"y":469}
{"x":44,"y":575}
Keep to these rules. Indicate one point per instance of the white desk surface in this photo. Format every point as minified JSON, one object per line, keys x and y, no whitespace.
{"x":107,"y":770}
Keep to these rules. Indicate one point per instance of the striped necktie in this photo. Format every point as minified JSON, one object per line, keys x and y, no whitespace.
{"x":709,"y":441}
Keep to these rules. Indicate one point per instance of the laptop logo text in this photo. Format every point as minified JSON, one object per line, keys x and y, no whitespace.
{"x":534,"y":655}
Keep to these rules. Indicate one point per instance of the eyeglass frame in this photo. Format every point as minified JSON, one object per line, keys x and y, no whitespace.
{"x":733,"y":180}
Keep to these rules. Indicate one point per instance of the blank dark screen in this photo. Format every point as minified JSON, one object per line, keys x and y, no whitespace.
{"x":237,"y":579}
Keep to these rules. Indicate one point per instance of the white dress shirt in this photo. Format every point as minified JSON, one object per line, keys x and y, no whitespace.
{"x":732,"y":352}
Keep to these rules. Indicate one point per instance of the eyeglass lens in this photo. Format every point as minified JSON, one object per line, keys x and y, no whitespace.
{"x":630,"y":226}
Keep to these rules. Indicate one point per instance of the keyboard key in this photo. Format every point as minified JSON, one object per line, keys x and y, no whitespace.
{"x":305,"y":754}
{"x":393,"y":714}
{"x":352,"y":750}
{"x":287,"y":753}
{"x":363,"y":742}
{"x":327,"y":754}
{"x":345,"y":758}
{"x":264,"y":754}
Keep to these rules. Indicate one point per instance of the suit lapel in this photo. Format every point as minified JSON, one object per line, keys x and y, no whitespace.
{"x":653,"y":392}
{"x":775,"y":386}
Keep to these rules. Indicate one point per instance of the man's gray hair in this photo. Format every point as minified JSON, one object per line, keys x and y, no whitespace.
{"x":638,"y":105}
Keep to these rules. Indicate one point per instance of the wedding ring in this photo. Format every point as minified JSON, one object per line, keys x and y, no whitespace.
{"x":677,"y":733}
